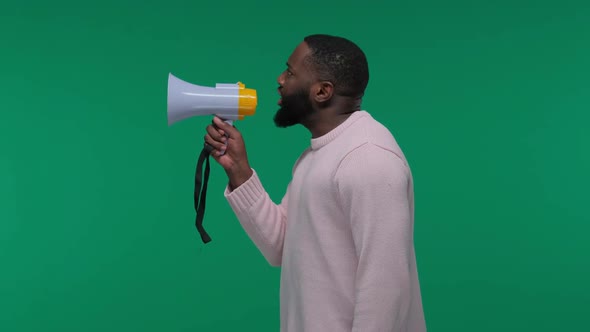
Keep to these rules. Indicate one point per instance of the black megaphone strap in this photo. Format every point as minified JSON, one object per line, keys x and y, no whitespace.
{"x":200,"y":204}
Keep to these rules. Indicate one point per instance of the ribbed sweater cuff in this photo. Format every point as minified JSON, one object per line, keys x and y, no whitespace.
{"x":244,"y":196}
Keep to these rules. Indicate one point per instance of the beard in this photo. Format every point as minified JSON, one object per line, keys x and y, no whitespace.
{"x":295,"y":108}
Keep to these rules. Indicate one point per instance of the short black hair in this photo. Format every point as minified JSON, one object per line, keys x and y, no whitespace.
{"x":340,"y":61}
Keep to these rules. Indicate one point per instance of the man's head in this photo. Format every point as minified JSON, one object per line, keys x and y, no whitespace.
{"x":322,"y":69}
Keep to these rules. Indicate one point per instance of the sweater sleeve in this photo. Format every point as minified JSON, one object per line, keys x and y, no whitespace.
{"x":373,"y":189}
{"x":262,"y":219}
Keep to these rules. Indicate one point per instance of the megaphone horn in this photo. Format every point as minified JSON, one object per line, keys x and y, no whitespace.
{"x":228,"y":101}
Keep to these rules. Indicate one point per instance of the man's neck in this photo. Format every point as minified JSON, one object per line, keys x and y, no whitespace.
{"x":321,"y":126}
{"x":324,"y":121}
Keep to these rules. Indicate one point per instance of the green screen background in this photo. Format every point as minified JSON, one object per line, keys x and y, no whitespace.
{"x":488,"y":99}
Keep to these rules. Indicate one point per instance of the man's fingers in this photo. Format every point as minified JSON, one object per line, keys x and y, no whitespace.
{"x":209,"y":147}
{"x":214,"y":143}
{"x":216,"y":134}
{"x":223,"y":126}
{"x":213,"y":152}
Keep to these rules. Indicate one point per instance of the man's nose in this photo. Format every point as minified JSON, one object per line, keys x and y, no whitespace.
{"x":280,"y":79}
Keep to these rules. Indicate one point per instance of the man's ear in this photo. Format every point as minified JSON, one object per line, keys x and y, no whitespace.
{"x":323,"y":91}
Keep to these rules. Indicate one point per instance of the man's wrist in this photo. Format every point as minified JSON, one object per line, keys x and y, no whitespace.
{"x":238,"y":177}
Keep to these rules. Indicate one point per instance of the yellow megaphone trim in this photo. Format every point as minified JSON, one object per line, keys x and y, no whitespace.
{"x":247,"y":101}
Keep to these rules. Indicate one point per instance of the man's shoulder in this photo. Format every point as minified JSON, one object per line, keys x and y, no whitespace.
{"x":370,"y":133}
{"x":371,"y":154}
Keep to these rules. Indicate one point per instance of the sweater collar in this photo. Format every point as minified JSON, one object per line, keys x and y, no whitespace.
{"x":318,"y":142}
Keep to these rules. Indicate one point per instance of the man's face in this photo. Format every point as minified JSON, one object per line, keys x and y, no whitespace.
{"x":294,"y":87}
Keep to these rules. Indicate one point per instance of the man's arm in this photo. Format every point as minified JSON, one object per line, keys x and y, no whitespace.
{"x":373,"y":188}
{"x":263,"y":220}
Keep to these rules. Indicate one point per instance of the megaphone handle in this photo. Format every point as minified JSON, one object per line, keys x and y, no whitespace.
{"x":231,"y":123}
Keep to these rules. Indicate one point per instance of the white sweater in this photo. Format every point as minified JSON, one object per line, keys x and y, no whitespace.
{"x":342,"y":234}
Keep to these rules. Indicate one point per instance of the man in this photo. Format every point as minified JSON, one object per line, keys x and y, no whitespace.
{"x":343,"y":232}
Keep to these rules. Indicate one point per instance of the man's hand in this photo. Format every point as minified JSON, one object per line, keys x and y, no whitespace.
{"x":235,"y":160}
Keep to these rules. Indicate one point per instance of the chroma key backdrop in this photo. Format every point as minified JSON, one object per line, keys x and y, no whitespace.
{"x":489,"y":100}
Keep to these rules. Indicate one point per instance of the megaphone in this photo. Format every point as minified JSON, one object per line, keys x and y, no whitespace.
{"x":228,"y":101}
